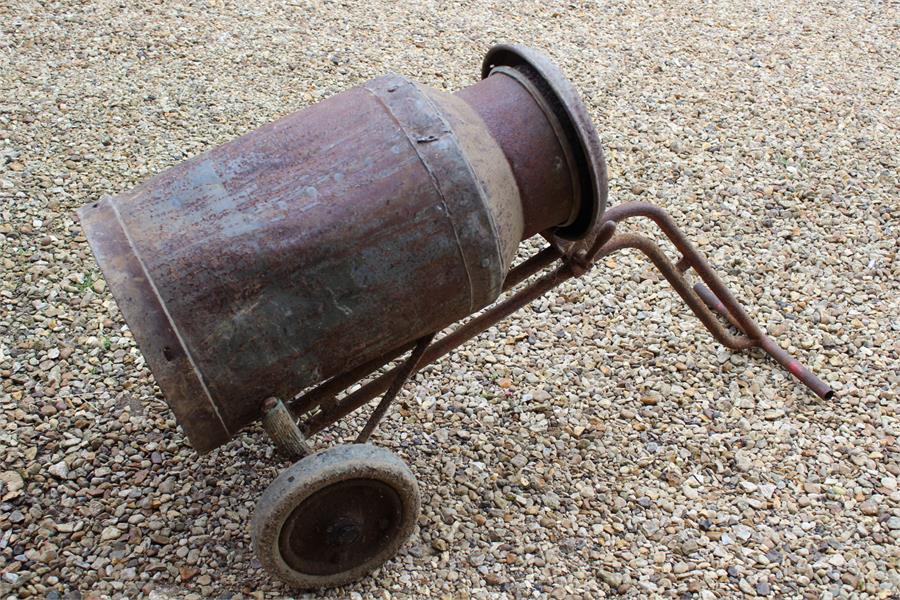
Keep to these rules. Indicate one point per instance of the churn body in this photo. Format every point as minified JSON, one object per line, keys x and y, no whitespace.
{"x":317,"y":243}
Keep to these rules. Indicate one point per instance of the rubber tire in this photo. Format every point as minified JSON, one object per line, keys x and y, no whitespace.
{"x":314,"y":472}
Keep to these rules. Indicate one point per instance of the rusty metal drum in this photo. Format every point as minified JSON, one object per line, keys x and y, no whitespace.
{"x":277,"y":277}
{"x":341,"y":232}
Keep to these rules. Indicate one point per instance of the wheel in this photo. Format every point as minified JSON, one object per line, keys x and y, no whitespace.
{"x":334,"y":516}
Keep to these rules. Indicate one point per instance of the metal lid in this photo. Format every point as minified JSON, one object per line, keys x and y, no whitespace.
{"x":573,"y":115}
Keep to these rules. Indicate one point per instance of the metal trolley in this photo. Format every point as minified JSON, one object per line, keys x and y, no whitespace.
{"x":384,"y":218}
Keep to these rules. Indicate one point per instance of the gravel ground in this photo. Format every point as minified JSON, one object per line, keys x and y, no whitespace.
{"x":598,"y":443}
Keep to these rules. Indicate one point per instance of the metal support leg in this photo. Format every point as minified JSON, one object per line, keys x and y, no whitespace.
{"x":403,"y":374}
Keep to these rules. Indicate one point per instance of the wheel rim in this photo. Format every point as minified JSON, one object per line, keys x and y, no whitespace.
{"x":341,"y":526}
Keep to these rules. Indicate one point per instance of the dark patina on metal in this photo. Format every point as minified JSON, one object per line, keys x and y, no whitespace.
{"x":318,"y":248}
{"x":297,"y":273}
{"x":337,"y":234}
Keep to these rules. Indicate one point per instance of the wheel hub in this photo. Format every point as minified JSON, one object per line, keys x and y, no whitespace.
{"x":345,"y":530}
{"x":341,"y":526}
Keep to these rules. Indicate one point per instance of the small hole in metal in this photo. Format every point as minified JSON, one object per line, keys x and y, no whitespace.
{"x":94,"y":205}
{"x":291,"y":479}
{"x":168,"y":354}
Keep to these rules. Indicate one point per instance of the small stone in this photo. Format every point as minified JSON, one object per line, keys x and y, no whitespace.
{"x":763,"y":589}
{"x":837,"y":560}
{"x":681,"y":567}
{"x":439,"y":544}
{"x":540,"y":395}
{"x":893,"y":523}
{"x":519,"y":461}
{"x":613,"y":580}
{"x":110,"y":533}
{"x":60,"y":469}
{"x":742,"y":532}
{"x":773,"y":415}
{"x":12,"y":484}
{"x":492,"y":578}
{"x":869,"y":508}
{"x":742,"y":462}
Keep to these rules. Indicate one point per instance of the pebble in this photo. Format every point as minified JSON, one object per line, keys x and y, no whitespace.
{"x":613,"y":580}
{"x":742,"y":532}
{"x":742,"y":462}
{"x":12,"y":484}
{"x":60,"y":469}
{"x":869,"y":508}
{"x":519,"y":461}
{"x":767,"y":490}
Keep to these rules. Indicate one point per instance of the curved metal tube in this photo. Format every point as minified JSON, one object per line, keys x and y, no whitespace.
{"x":716,"y":296}
{"x":669,"y":271}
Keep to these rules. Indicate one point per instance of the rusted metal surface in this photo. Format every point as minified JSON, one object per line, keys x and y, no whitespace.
{"x":438,"y":349}
{"x":576,"y":124}
{"x":299,"y":251}
{"x":716,"y":295}
{"x":317,"y":245}
{"x":159,"y":340}
{"x":324,"y":394}
{"x":321,"y":247}
{"x":341,"y":526}
{"x":326,"y":391}
{"x":538,"y":153}
{"x":533,"y":265}
{"x":770,"y":346}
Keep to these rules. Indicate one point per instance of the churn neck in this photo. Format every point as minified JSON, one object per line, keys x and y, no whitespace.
{"x":544,"y":130}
